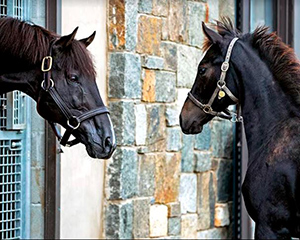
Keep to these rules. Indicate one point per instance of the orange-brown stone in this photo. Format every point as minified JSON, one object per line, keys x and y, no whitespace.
{"x":167,"y":177}
{"x":149,"y":35}
{"x":116,"y":24}
{"x":148,"y":86}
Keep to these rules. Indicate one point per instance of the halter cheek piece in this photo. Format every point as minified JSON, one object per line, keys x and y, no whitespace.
{"x":73,"y":122}
{"x":220,"y":92}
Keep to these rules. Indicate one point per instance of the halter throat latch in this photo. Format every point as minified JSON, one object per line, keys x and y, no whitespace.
{"x":221,"y":91}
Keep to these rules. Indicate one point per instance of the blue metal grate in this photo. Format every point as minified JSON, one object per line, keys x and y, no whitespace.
{"x":18,"y":9}
{"x":3,"y":111}
{"x":10,"y":189}
{"x":3,"y":8}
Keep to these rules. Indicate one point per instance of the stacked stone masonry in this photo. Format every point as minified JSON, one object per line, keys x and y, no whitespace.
{"x":161,"y":183}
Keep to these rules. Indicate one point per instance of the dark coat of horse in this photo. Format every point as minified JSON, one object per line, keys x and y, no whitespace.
{"x":22,"y":49}
{"x":264,"y":74}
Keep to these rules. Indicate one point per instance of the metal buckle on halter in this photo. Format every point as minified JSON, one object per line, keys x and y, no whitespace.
{"x":43,"y":64}
{"x":235,"y":118}
{"x":225,"y":66}
{"x":43,"y":84}
{"x":207,"y":109}
{"x":70,"y":125}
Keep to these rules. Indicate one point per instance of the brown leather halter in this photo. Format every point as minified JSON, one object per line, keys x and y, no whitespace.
{"x":73,"y":122}
{"x":220,"y":92}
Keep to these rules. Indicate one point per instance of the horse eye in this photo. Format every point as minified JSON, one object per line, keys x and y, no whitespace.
{"x":202,"y":70}
{"x":73,"y":77}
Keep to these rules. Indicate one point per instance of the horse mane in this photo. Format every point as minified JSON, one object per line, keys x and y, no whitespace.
{"x":280,"y":57}
{"x":31,"y":43}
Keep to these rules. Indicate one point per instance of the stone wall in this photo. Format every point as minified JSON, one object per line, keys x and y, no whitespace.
{"x":161,"y":183}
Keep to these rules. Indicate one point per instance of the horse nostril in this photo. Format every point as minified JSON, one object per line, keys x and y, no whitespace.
{"x":107,"y":143}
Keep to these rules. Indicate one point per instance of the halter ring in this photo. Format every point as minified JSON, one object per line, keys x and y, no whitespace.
{"x":221,"y":84}
{"x":43,"y":64}
{"x":207,"y":109}
{"x":71,"y":126}
{"x":43,"y":82}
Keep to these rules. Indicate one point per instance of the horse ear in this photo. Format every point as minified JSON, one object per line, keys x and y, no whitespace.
{"x":87,"y":41}
{"x":65,"y":41}
{"x":213,"y":36}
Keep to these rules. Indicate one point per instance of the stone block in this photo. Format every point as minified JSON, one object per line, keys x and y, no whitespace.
{"x":187,"y":159}
{"x":141,"y":124}
{"x":160,"y":7}
{"x":146,"y":175}
{"x":122,"y":117}
{"x":227,"y":8}
{"x":203,"y":139}
{"x":189,"y":226}
{"x":37,"y":186}
{"x":224,"y":181}
{"x":174,"y":226}
{"x":167,"y":177}
{"x":174,"y":209}
{"x":196,"y":14}
{"x":122,"y":26}
{"x":121,"y":181}
{"x":152,"y":62}
{"x":36,"y":221}
{"x":37,"y":150}
{"x":149,"y":81}
{"x":206,"y":201}
{"x":169,"y":53}
{"x":124,"y":75}
{"x":164,"y":30}
{"x":119,"y":221}
{"x":172,"y":115}
{"x":174,"y":142}
{"x":158,"y":220}
{"x":188,"y":193}
{"x":214,"y":233}
{"x":222,"y":137}
{"x":145,"y":6}
{"x":221,"y":215}
{"x":149,"y":35}
{"x":141,"y":214}
{"x":156,"y":139}
{"x":213,"y":7}
{"x":187,"y":65}
{"x":202,"y":161}
{"x":165,"y":90}
{"x":177,"y":21}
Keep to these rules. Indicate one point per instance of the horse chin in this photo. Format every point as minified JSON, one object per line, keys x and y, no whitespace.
{"x":98,"y":152}
{"x":193,"y":130}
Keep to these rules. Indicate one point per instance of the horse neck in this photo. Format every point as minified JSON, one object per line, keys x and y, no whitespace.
{"x":266,"y":109}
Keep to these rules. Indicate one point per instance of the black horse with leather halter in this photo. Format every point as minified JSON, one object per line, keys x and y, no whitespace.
{"x":73,"y":122}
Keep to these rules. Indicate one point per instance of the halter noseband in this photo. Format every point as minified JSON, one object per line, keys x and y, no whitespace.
{"x":73,"y":122}
{"x":220,"y":92}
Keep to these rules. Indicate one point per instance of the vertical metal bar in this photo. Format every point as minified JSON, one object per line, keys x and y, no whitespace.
{"x":52,"y":159}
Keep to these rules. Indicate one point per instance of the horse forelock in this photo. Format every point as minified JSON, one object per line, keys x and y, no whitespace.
{"x":280,"y":57}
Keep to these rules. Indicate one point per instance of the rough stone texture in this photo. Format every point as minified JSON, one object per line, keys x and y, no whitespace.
{"x":141,"y":213}
{"x":187,"y":65}
{"x":37,"y":186}
{"x":213,"y":8}
{"x":215,"y":233}
{"x":36,"y":225}
{"x":156,"y":140}
{"x":158,"y":220}
{"x":174,"y":139}
{"x":203,"y":139}
{"x":174,"y":226}
{"x":164,"y":31}
{"x":152,"y":62}
{"x":189,"y":226}
{"x":165,"y":86}
{"x":202,"y":161}
{"x":167,"y":177}
{"x":169,"y":53}
{"x":188,"y":193}
{"x":178,"y":29}
{"x":146,"y":174}
{"x":206,"y":201}
{"x":221,"y":215}
{"x":174,"y":209}
{"x":149,"y":35}
{"x":121,"y":179}
{"x":222,"y":137}
{"x":145,"y":6}
{"x":141,"y":124}
{"x":160,"y":7}
{"x":187,"y":160}
{"x":227,"y":8}
{"x":124,"y":75}
{"x":224,"y":181}
{"x":149,"y":81}
{"x":119,"y":219}
{"x":196,"y":15}
{"x":131,"y":14}
{"x":121,"y":116}
{"x":172,"y":116}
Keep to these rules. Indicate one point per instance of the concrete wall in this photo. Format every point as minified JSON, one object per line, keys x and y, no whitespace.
{"x":81,"y":176}
{"x":161,"y":183}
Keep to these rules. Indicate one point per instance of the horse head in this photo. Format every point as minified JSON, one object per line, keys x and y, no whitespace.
{"x":215,"y":86}
{"x":69,"y":96}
